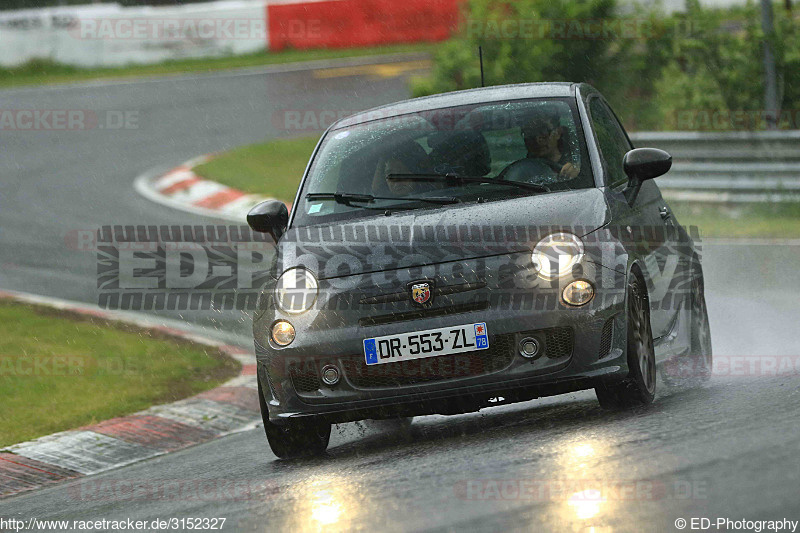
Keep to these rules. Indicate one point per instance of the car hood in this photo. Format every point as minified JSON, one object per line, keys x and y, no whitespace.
{"x":431,"y":236}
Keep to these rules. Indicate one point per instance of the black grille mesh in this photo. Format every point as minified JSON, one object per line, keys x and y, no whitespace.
{"x":558,"y":342}
{"x":605,"y":338}
{"x":305,"y":377}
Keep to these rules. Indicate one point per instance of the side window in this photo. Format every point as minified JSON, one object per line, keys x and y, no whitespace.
{"x":611,"y":138}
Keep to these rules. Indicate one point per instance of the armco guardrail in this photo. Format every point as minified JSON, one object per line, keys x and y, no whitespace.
{"x":762,"y":166}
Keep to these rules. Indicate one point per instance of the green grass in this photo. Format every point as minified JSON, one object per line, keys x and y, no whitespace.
{"x":60,"y":371}
{"x":45,"y":71}
{"x":767,"y":221}
{"x":274,"y":168}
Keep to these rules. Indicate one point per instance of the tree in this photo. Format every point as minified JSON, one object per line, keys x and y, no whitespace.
{"x":555,"y":40}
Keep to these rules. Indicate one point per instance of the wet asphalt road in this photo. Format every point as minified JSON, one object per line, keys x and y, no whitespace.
{"x":54,"y":183}
{"x":728,"y":449}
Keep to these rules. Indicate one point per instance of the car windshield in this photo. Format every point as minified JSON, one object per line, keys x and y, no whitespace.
{"x":480,"y":152}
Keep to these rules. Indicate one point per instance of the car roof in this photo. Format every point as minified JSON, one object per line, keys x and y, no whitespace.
{"x":467,"y":97}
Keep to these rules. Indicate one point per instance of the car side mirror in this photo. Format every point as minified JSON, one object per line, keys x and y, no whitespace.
{"x":642,"y":164}
{"x":269,"y":217}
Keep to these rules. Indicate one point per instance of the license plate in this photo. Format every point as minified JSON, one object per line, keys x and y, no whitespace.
{"x":428,"y":343}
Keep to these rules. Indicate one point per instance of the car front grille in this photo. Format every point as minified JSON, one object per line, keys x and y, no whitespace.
{"x":437,"y":291}
{"x":432,"y":369}
{"x":418,"y":314}
{"x":558,"y":342}
{"x":305,"y":382}
{"x":305,"y":377}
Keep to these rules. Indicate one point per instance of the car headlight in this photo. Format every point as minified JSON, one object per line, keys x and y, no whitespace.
{"x":555,"y":255}
{"x":296,"y":291}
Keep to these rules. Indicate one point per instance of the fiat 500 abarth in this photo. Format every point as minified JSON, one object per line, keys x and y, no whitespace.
{"x":450,"y":253}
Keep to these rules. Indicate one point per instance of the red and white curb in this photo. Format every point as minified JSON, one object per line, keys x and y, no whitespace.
{"x":229,"y":408}
{"x":180,"y":188}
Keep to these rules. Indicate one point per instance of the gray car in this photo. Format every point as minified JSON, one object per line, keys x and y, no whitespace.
{"x":470,"y":249}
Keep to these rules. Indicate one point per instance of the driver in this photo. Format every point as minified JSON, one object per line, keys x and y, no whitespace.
{"x":548,"y":160}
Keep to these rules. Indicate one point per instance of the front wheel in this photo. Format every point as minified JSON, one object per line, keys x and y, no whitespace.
{"x":639,"y":388}
{"x":694,"y":368}
{"x":701,"y":333}
{"x":296,"y":438}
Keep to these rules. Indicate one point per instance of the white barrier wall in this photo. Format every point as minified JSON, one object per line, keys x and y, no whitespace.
{"x":111,"y":35}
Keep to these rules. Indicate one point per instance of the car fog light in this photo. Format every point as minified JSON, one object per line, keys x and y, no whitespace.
{"x":282,"y":333}
{"x":330,"y":375}
{"x":529,"y":348}
{"x":578,"y":293}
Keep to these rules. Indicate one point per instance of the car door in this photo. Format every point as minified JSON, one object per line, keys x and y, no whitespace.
{"x":647,"y":216}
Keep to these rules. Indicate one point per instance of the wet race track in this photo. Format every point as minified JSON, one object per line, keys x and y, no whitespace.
{"x":728,"y":449}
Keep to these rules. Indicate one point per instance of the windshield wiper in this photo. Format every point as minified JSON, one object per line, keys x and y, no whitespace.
{"x":455,"y":179}
{"x":348,"y":199}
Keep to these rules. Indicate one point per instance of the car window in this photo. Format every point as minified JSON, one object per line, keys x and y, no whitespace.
{"x":536,"y":141}
{"x":611,"y":139}
{"x":505,"y":148}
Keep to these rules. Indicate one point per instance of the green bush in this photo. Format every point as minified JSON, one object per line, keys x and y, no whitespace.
{"x":553,"y":40}
{"x":658,"y":72}
{"x":716,"y":78}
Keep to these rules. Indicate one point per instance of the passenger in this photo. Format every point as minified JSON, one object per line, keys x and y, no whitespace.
{"x":464,"y":153}
{"x":408,"y":158}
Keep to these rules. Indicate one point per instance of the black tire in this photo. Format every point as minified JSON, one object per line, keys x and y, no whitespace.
{"x":639,"y":387}
{"x":295,"y":438}
{"x":694,"y":368}
{"x":701,"y":335}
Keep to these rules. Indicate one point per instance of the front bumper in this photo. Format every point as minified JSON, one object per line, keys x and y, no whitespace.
{"x":582,"y":346}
